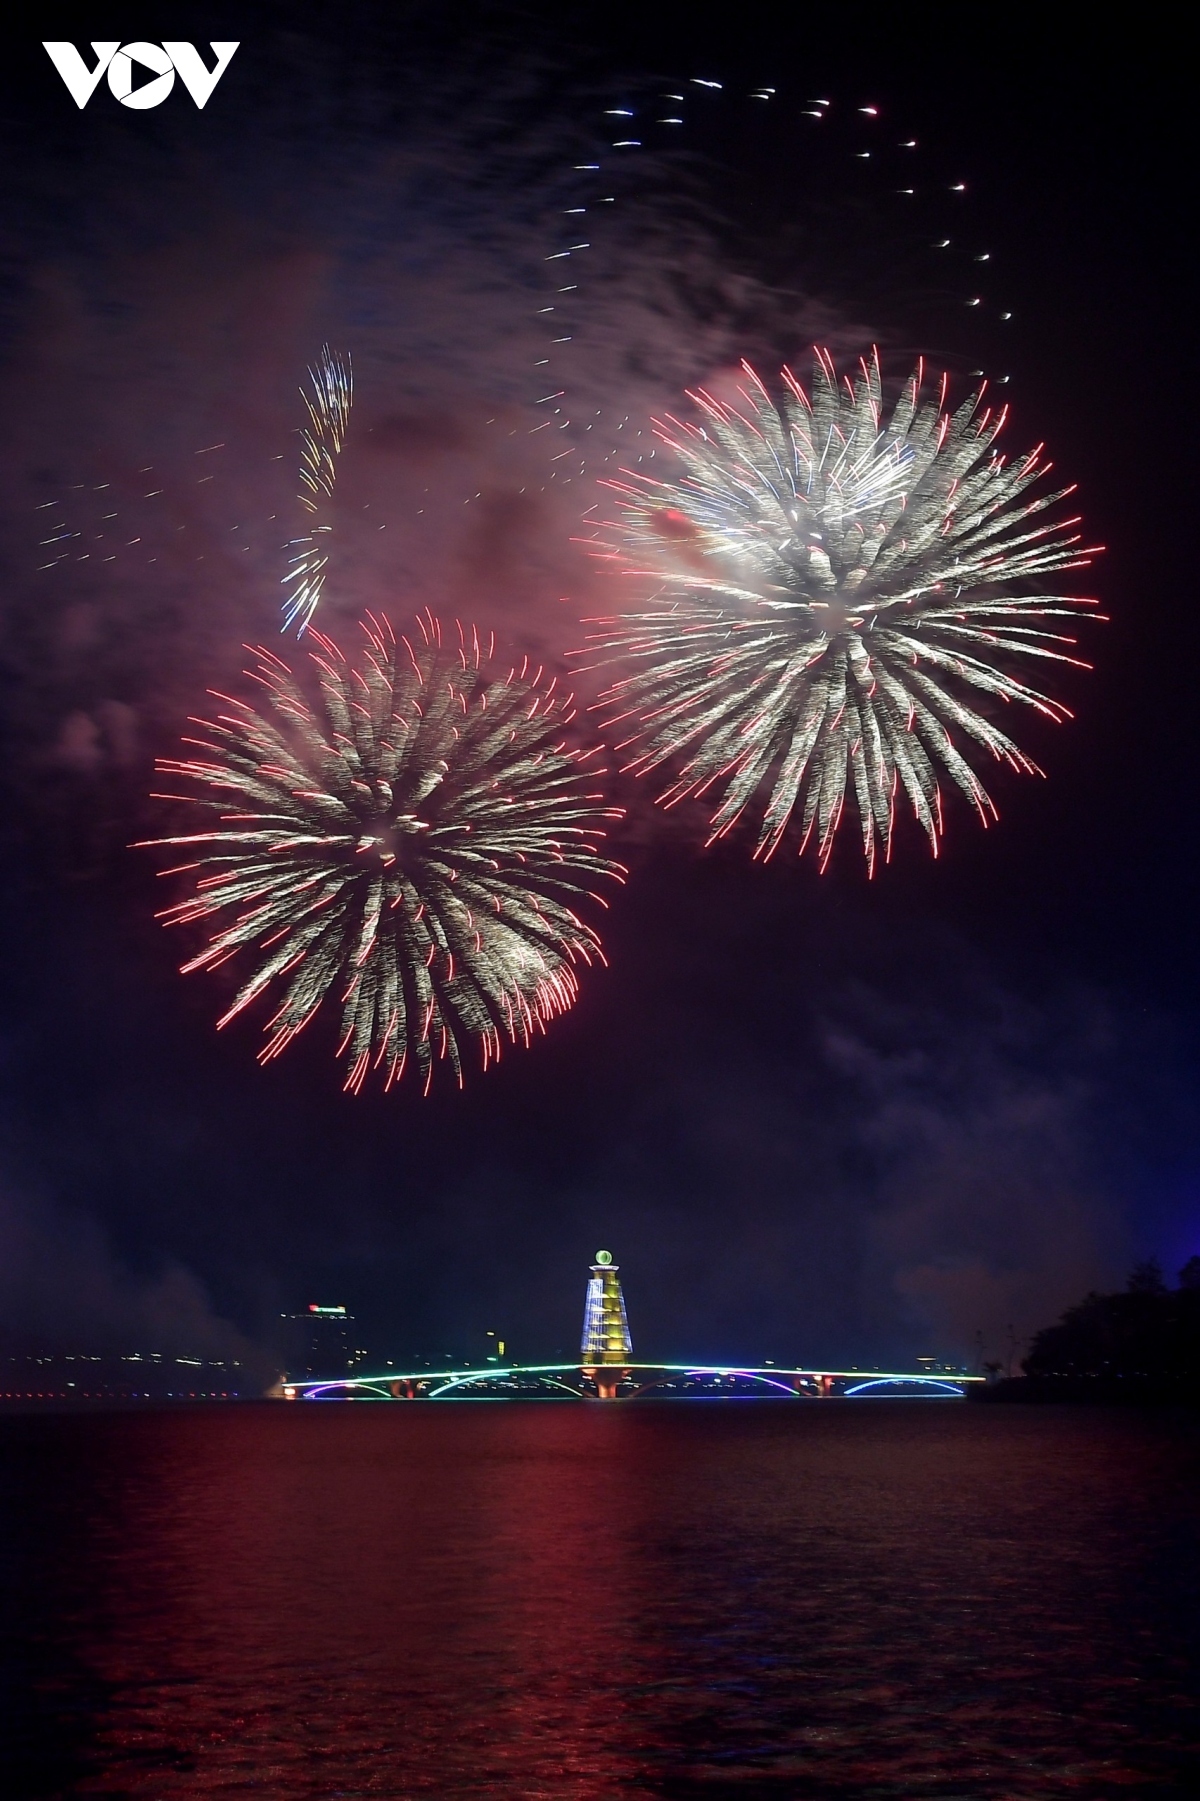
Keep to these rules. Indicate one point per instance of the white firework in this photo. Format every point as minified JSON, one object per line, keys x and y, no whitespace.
{"x":321,"y":442}
{"x":836,"y":593}
{"x":412,"y":848}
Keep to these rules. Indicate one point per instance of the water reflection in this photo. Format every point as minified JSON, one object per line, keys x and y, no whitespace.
{"x":559,"y":1600}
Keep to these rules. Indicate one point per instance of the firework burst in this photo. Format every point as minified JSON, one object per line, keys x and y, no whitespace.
{"x":413,"y":846}
{"x":321,"y":442}
{"x":835,"y":593}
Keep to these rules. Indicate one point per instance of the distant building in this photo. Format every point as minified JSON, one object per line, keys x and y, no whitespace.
{"x":605,"y":1324}
{"x":319,"y":1344}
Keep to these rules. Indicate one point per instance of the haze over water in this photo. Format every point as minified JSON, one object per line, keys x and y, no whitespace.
{"x":769,"y":1600}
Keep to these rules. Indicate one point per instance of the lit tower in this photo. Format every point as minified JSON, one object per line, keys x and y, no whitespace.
{"x":606,"y":1344}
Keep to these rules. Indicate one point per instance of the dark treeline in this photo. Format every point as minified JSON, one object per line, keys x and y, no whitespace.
{"x":1143,"y":1343}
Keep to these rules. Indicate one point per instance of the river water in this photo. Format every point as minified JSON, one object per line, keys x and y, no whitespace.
{"x":685,"y":1600}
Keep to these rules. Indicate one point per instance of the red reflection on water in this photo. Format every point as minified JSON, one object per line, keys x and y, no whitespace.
{"x":580,"y":1601}
{"x":387,"y":1603}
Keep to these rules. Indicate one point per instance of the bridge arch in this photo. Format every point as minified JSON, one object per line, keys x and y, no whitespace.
{"x":671,"y":1376}
{"x":479,"y":1377}
{"x":348,"y":1390}
{"x":935,"y":1386}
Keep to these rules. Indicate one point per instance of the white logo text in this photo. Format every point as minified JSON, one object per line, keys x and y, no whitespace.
{"x":160,"y":62}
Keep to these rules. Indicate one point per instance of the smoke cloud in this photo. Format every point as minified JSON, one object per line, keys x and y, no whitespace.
{"x":63,"y":1288}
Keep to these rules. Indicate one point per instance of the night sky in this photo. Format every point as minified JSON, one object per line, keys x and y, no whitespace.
{"x":814,"y":1117}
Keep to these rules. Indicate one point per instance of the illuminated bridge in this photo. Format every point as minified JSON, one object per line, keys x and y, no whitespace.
{"x":606,"y":1371}
{"x":633,"y":1381}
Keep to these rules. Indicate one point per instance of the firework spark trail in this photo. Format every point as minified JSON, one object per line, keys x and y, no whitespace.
{"x":416,"y":846}
{"x":834,"y":590}
{"x":646,"y":200}
{"x":321,"y":441}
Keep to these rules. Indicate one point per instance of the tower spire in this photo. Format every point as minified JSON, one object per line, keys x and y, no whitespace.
{"x":606,"y":1337}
